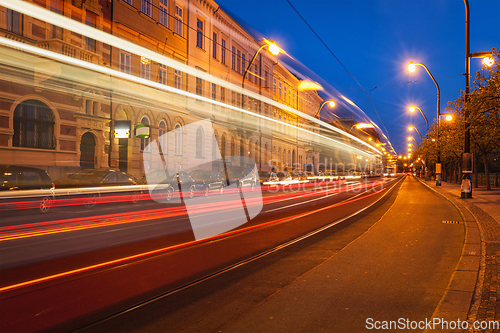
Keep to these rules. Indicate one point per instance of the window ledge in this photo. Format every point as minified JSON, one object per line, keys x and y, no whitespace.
{"x":146,"y":16}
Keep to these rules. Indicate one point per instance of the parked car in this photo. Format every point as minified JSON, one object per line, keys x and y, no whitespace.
{"x":155,"y":177}
{"x":243,"y":177}
{"x":17,"y":178}
{"x":209,"y":180}
{"x":267,"y":177}
{"x":90,"y":178}
{"x":97,"y":177}
{"x":300,"y":176}
{"x":284,"y":176}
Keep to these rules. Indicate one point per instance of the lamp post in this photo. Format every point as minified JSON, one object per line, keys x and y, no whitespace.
{"x":411,"y":68}
{"x":412,"y":109}
{"x":330,"y":104}
{"x":410,"y":128}
{"x":273,"y":48}
{"x":466,"y":188}
{"x":412,"y":138}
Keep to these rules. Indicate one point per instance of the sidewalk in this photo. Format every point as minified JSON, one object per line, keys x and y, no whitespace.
{"x":481,"y":213}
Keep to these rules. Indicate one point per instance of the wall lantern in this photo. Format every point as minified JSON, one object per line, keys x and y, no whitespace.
{"x":122,"y":129}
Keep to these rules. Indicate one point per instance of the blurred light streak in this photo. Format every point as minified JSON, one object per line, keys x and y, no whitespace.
{"x":179,"y":246}
{"x":52,"y":227}
{"x":80,"y":28}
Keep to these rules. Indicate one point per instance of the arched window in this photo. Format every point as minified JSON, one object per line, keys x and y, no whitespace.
{"x":144,"y":141}
{"x":199,"y":142}
{"x":33,"y":126}
{"x":162,"y":137}
{"x":223,"y":145}
{"x":178,"y":140}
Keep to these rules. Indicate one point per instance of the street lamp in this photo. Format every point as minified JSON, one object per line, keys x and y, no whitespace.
{"x":412,"y":68}
{"x":412,"y":109}
{"x":412,"y":138}
{"x":330,"y":104}
{"x":273,"y":48}
{"x":466,"y":188}
{"x":411,"y":128}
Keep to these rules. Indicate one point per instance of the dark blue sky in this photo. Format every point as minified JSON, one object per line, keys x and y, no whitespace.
{"x":375,"y":40}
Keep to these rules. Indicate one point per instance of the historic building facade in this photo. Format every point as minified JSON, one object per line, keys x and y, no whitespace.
{"x":62,"y":124}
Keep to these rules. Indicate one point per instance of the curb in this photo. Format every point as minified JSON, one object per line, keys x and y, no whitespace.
{"x":457,"y":299}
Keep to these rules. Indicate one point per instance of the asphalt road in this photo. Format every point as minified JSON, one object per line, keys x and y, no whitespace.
{"x":72,"y":289}
{"x":390,"y":262}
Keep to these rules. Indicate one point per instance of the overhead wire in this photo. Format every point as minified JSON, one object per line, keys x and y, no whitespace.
{"x":333,"y":54}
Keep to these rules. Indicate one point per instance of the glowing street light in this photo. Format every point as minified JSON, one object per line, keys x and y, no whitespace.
{"x":411,"y":128}
{"x":466,"y":188}
{"x":412,"y":68}
{"x":412,"y":109}
{"x":412,"y":138}
{"x":273,"y":48}
{"x":330,"y":104}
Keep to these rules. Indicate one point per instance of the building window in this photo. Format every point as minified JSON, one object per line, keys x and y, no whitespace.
{"x":238,"y":61}
{"x":214,"y":45}
{"x":199,"y":33}
{"x":233,"y":59}
{"x":163,"y":12}
{"x":199,"y":142}
{"x":144,"y":141}
{"x":279,"y":90}
{"x":125,"y":63}
{"x":256,"y":71}
{"x":289,"y":96}
{"x":56,"y":7}
{"x":233,"y":98}
{"x":243,"y":63}
{"x":129,"y":2}
{"x":179,"y":19}
{"x":274,"y":86}
{"x":284,"y":97}
{"x":177,"y":79}
{"x":145,"y":68}
{"x":233,"y":147}
{"x":199,"y":86}
{"x":14,"y":21}
{"x":162,"y":138}
{"x":146,"y":7}
{"x":214,"y":92}
{"x":266,"y":81}
{"x":222,"y":94}
{"x":33,"y":126}
{"x":223,"y":51}
{"x":162,"y":74}
{"x":91,"y":107}
{"x":178,"y":140}
{"x":91,"y":21}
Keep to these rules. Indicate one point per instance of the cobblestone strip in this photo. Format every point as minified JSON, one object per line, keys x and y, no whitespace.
{"x":486,"y":300}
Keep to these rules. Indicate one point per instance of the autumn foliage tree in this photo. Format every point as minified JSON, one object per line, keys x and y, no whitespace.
{"x":482,"y":111}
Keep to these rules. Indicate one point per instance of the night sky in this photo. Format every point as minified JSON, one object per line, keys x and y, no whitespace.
{"x":375,"y":40}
